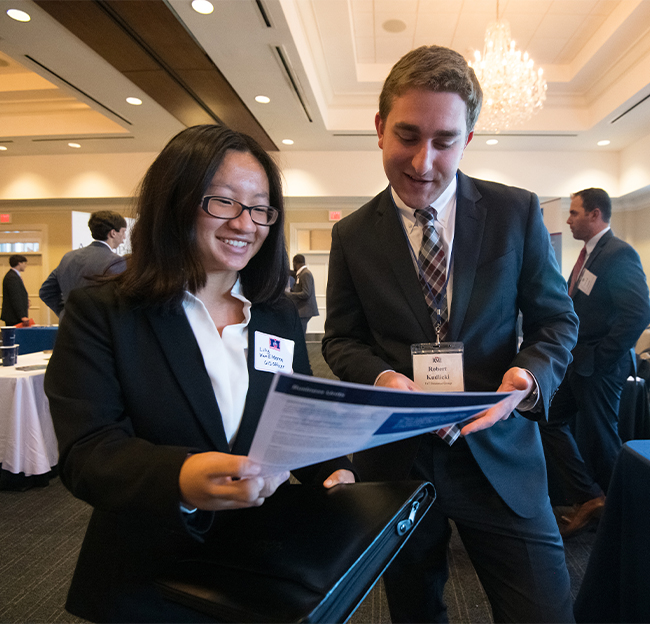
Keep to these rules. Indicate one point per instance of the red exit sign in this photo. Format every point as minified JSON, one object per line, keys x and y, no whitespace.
{"x":335,"y":215}
{"x":5,"y":218}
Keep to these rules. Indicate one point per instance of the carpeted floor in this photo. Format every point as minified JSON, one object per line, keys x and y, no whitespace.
{"x":40,"y":535}
{"x":41,"y":532}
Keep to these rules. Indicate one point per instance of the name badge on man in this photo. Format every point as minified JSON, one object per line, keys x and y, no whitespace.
{"x":273,"y":354}
{"x":587,"y":281}
{"x":438,"y":367}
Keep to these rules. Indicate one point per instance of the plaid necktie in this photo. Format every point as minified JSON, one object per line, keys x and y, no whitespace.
{"x":433,"y":269}
{"x":433,"y":274}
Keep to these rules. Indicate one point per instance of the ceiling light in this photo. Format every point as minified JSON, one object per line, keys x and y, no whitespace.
{"x":134,"y":100}
{"x":491,"y":142}
{"x":394,"y":25}
{"x":3,"y":148}
{"x":287,"y":141}
{"x":18,"y":15}
{"x":76,"y":145}
{"x":262,"y":99}
{"x":512,"y":90}
{"x":202,"y":6}
{"x":603,"y":143}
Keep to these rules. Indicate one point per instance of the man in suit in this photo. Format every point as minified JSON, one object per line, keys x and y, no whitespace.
{"x":610,"y":297}
{"x":79,"y":266}
{"x":303,"y":293}
{"x":15,"y":303}
{"x":499,"y":261}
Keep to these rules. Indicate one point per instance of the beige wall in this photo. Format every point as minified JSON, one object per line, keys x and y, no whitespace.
{"x":633,"y":226}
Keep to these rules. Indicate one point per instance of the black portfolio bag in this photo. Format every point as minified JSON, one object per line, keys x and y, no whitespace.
{"x":306,"y":555}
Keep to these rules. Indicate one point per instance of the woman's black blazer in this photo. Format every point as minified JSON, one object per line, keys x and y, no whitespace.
{"x":130,"y":398}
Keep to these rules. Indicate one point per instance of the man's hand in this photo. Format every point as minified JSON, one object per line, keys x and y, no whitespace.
{"x":215,"y":481}
{"x":340,"y":476}
{"x":391,"y":379}
{"x":516,"y":380}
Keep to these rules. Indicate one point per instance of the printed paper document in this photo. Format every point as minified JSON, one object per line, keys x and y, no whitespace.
{"x":306,"y":420}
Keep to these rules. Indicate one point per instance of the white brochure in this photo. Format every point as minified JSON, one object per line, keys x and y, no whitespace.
{"x":306,"y":420}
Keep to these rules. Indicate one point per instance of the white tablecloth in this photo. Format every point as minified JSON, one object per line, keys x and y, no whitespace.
{"x":27,"y":440}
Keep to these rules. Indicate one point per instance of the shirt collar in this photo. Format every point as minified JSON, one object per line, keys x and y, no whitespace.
{"x":593,"y":241}
{"x":190,"y":300}
{"x":441,"y":204}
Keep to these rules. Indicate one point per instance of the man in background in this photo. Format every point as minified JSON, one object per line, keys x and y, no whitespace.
{"x":441,"y":255}
{"x":15,"y":303}
{"x":610,"y":297}
{"x":303,"y":293}
{"x":78,"y":267}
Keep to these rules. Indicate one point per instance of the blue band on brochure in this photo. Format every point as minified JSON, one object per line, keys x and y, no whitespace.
{"x":400,"y":422}
{"x":358,"y":395}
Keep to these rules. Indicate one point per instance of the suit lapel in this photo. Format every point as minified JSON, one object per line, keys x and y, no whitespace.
{"x":470,"y":221}
{"x":598,"y":248}
{"x":184,"y":358}
{"x":259,"y":383}
{"x":394,"y":245}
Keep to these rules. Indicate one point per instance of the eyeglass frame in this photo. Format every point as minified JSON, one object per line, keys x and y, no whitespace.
{"x":206,"y":201}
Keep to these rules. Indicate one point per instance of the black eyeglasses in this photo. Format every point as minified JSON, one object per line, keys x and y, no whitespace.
{"x":226,"y":208}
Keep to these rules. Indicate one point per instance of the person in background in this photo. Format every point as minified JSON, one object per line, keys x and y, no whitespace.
{"x":15,"y":302}
{"x":439,"y":255}
{"x":80,"y":266}
{"x":610,"y":297}
{"x":154,"y":385}
{"x":303,"y":292}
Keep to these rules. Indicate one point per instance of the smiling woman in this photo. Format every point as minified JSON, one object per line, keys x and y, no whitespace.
{"x":154,"y":387}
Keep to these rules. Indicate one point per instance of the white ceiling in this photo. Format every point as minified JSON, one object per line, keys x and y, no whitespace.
{"x":595,"y":55}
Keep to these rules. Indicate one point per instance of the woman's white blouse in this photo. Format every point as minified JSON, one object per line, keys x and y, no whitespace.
{"x":225,"y":357}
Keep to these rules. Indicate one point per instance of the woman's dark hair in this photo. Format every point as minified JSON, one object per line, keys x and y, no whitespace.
{"x":165,"y":260}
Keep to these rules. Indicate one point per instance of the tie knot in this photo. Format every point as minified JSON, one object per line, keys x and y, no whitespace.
{"x":426,"y":217}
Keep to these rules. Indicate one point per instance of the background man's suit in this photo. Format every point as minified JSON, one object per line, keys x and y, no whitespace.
{"x":502,"y":263}
{"x":74,"y":271}
{"x":612,"y":317}
{"x":303,"y":294}
{"x":15,"y":302}
{"x":130,"y":398}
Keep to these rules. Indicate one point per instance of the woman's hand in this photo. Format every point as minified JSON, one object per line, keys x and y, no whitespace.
{"x":340,"y":476}
{"x":216,"y":481}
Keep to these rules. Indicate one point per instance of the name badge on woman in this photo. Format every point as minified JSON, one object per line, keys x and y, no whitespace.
{"x":438,"y":367}
{"x":273,"y":354}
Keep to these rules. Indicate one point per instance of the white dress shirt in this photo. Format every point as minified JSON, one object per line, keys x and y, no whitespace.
{"x":225,"y":357}
{"x":593,"y":241}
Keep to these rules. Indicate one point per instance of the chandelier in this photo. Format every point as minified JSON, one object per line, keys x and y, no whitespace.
{"x":512,"y":90}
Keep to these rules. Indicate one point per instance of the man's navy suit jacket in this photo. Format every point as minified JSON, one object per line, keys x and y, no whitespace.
{"x":503,"y":262}
{"x":617,"y":309}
